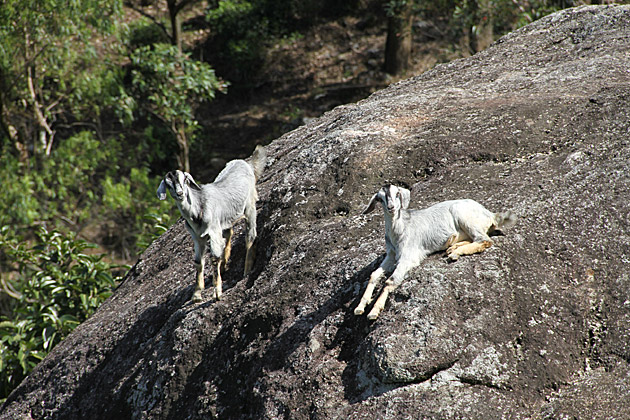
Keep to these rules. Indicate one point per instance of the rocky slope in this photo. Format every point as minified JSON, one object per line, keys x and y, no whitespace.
{"x":534,"y":328}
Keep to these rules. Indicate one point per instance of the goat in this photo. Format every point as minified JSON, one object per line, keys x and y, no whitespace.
{"x":211,"y":210}
{"x":460,"y":227}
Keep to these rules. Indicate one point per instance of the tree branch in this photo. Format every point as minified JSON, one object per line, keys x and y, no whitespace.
{"x":152,"y":18}
{"x":41,"y":120}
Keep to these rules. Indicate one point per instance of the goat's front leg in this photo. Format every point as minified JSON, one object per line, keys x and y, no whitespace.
{"x":386,"y":267}
{"x":390,"y":285}
{"x":200,"y":249}
{"x":218,"y":250}
{"x":366,"y":299}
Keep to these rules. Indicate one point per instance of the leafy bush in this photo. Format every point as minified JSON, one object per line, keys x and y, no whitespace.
{"x":84,"y":180}
{"x":45,"y":47}
{"x":61,"y":185}
{"x":54,"y":285}
{"x":131,"y":202}
{"x":168,"y":85}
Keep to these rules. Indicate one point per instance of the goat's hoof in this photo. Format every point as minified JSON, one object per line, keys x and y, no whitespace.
{"x":249,"y":265}
{"x":453,"y":257}
{"x":372,"y":316}
{"x":359,"y":311}
{"x":197,"y":297}
{"x":218,"y":295}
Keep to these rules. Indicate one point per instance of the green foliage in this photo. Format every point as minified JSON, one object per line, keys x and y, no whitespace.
{"x":131,"y":202}
{"x":78,"y":183}
{"x":168,"y":85}
{"x":45,"y":53}
{"x":232,"y":14}
{"x":170,"y":82}
{"x":54,"y":285}
{"x":62,"y":185}
{"x":144,"y":32}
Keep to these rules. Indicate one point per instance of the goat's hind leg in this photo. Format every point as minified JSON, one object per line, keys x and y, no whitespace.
{"x":451,"y":251}
{"x":217,"y":282}
{"x":250,"y":250}
{"x":481,"y":242}
{"x":227,"y":251}
{"x":452,"y":244}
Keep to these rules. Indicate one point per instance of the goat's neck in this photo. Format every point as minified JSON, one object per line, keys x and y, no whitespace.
{"x":395,"y":225}
{"x":191,"y":207}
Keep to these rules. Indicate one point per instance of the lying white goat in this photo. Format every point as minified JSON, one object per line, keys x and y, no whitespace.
{"x":460,"y":227}
{"x":211,"y":210}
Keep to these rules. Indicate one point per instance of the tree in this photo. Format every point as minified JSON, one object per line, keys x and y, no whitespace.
{"x":399,"y":35}
{"x":168,"y":85}
{"x":45,"y":47}
{"x":174,"y":8}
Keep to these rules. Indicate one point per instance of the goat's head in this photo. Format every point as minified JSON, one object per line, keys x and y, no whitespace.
{"x":392,"y":198}
{"x":177,"y":183}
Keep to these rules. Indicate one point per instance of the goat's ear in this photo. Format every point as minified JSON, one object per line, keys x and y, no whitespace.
{"x":405,"y":197}
{"x":191,"y":181}
{"x":371,"y":205}
{"x":161,"y":191}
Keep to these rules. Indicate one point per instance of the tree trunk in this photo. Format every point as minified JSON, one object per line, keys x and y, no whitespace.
{"x":398,"y":44}
{"x":183,"y":159}
{"x":470,"y":37}
{"x":176,"y":25}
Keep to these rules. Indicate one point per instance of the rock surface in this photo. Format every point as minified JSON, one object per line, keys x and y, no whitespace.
{"x":536,"y":327}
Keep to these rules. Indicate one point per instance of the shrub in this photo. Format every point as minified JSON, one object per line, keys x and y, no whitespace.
{"x":131,"y":202}
{"x":54,"y":286}
{"x":61,"y":185}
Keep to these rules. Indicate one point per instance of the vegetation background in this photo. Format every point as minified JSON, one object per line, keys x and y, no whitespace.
{"x":99,"y":98}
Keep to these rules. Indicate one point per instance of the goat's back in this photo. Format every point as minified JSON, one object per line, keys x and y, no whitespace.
{"x":433,"y":226}
{"x":232,"y":190}
{"x":236,"y":172}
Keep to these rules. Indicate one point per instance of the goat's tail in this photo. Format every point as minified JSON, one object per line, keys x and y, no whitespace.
{"x":505,"y":219}
{"x":258,"y":160}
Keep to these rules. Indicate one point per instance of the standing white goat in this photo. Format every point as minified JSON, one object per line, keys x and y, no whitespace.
{"x":460,"y":227}
{"x":211,"y":210}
